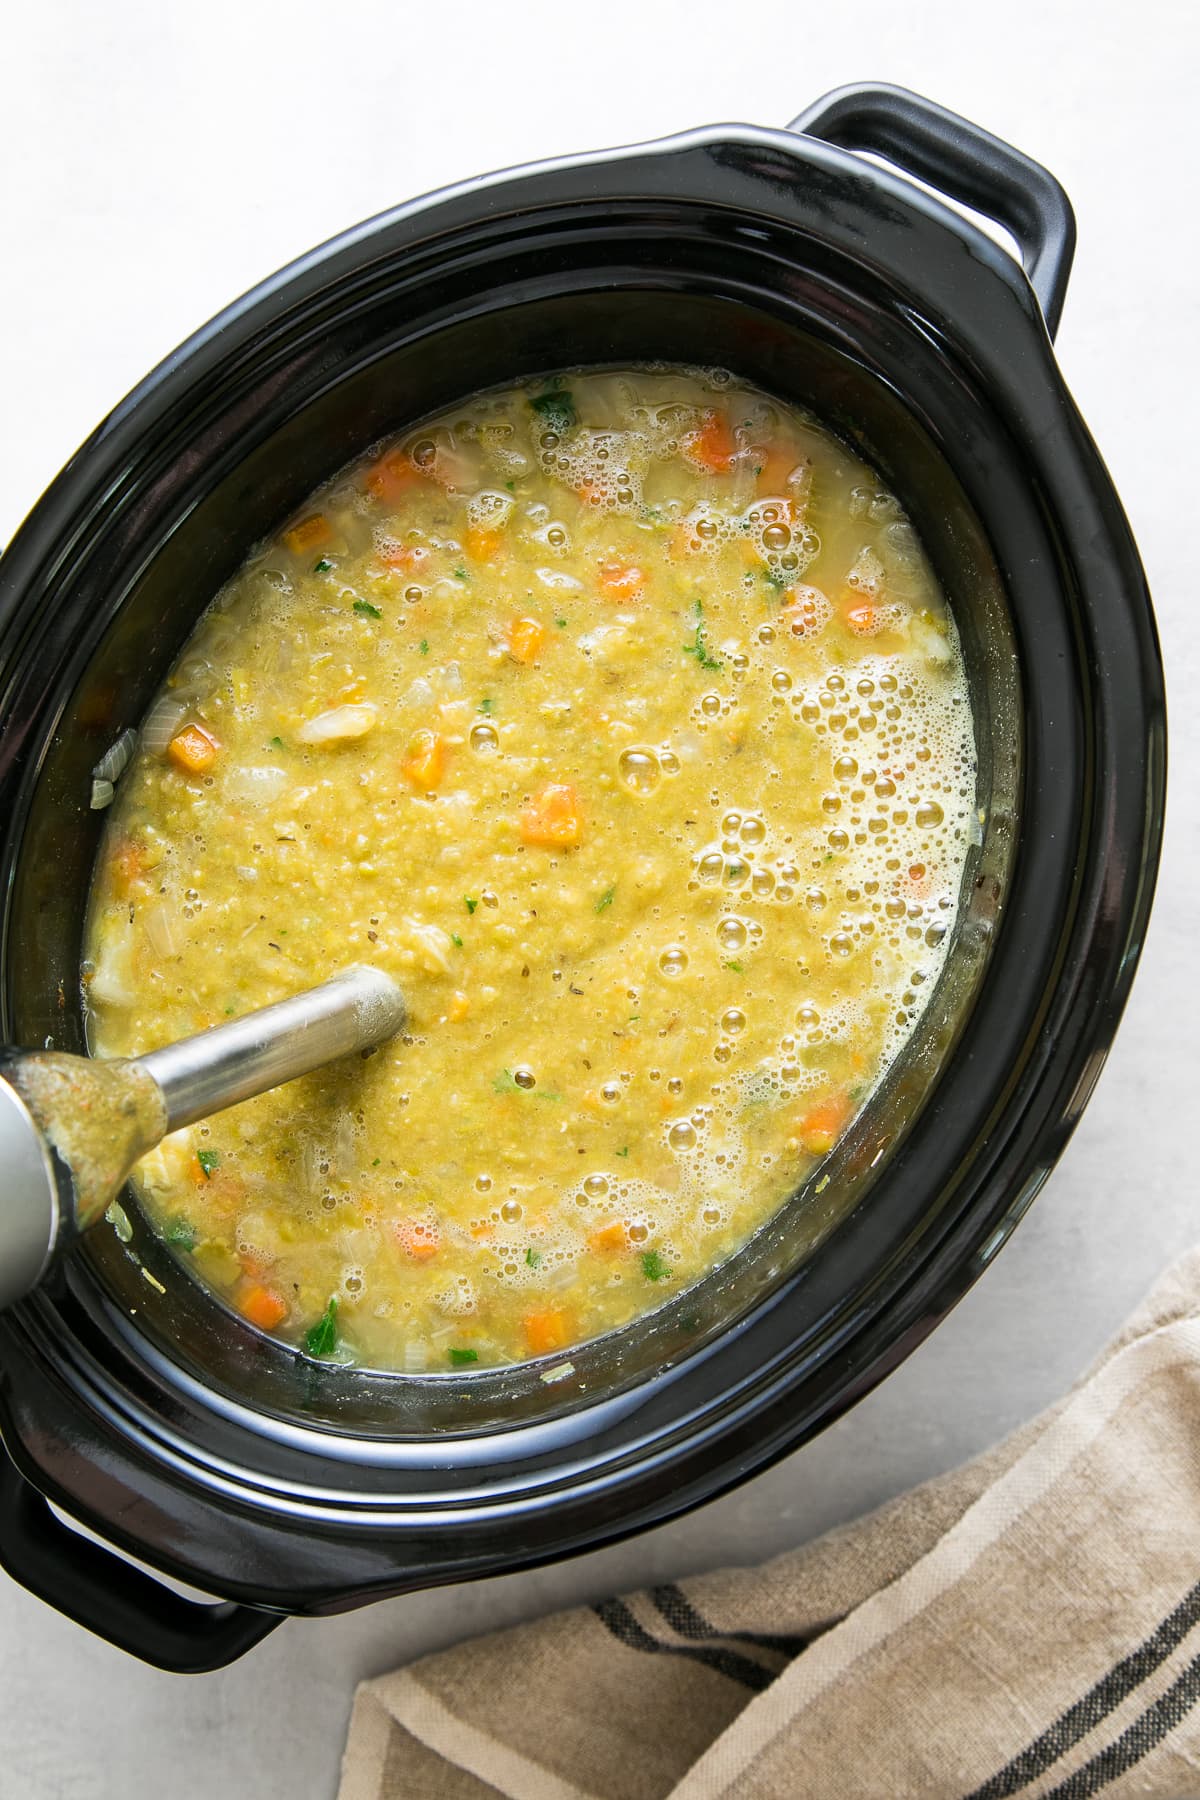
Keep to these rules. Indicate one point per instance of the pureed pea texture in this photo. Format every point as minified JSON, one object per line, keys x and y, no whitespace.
{"x":620,"y":718}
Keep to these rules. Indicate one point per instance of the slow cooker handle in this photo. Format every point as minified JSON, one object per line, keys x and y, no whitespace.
{"x":102,"y":1592}
{"x":964,"y":162}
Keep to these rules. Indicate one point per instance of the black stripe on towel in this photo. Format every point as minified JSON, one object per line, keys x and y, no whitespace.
{"x":625,"y":1628}
{"x":1144,"y":1735}
{"x":1095,"y":1705}
{"x":689,"y":1622}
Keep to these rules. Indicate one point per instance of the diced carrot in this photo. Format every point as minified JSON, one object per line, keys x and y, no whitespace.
{"x":481,"y":543}
{"x":553,"y":818}
{"x":820,"y":1128}
{"x":483,"y":1231}
{"x":525,"y":638}
{"x":457,"y":1008}
{"x":418,"y":1238}
{"x":777,"y":464}
{"x":194,"y":750}
{"x":863,"y":620}
{"x":425,"y":760}
{"x":410,"y":557}
{"x":263,"y":1307}
{"x":712,"y":445}
{"x":608,"y":1237}
{"x":392,"y":476}
{"x":308,"y":534}
{"x":546,"y":1331}
{"x":622,"y":581}
{"x":128,"y":864}
{"x":589,"y":492}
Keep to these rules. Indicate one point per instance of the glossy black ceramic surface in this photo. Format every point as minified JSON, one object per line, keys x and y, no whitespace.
{"x":222,"y":1458}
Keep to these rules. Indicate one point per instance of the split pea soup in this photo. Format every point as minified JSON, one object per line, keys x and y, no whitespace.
{"x":620,"y":718}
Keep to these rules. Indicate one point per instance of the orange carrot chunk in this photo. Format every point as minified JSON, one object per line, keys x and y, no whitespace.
{"x":410,"y":557}
{"x":712,"y":445}
{"x":608,"y":1237}
{"x":391,"y":476}
{"x":546,"y":1331}
{"x":553,"y":818}
{"x":863,"y":620}
{"x":425,"y":761}
{"x":822,"y":1125}
{"x":481,"y":543}
{"x":525,"y":638}
{"x":777,"y":464}
{"x":622,"y":581}
{"x":194,"y":750}
{"x":263,"y":1307}
{"x":418,"y":1238}
{"x":307,"y":534}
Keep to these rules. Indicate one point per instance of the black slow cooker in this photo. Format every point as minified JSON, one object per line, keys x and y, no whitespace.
{"x":220,"y":1458}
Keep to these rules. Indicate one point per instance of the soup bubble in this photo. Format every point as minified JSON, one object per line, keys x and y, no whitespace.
{"x":640,"y":770}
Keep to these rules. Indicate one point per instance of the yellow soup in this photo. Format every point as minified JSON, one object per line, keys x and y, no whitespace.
{"x":618,"y":717}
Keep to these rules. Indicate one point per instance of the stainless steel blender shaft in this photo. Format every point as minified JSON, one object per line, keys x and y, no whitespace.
{"x":72,"y":1127}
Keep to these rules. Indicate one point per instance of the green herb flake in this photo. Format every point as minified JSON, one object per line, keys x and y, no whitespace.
{"x":321,"y":1339}
{"x":606,"y":899}
{"x":506,"y":1083}
{"x":367,"y":610}
{"x":697,"y":647}
{"x":456,"y":940}
{"x":633,"y":1018}
{"x":470,"y":902}
{"x":654,"y":1267}
{"x":561,"y":623}
{"x":376,"y":1162}
{"x":460,"y":1358}
{"x":460,"y":574}
{"x":533,"y":1257}
{"x":511,"y":486}
{"x":276,"y":744}
{"x":208,"y":1160}
{"x":554,"y":1099}
{"x":423,"y":646}
{"x":487,"y":704}
{"x":776,"y":579}
{"x":229,"y":1011}
{"x":735,"y":966}
{"x":624,"y":1150}
{"x":323,"y":567}
{"x":556,"y":409}
{"x":183,"y":1235}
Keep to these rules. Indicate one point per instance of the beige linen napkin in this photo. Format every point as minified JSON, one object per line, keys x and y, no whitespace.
{"x":1027,"y":1625}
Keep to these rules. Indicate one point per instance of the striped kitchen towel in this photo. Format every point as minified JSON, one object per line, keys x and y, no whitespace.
{"x":1026,"y":1626}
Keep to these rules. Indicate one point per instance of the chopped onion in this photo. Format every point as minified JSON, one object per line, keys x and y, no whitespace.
{"x":162,"y":722}
{"x":113,"y":763}
{"x":430,"y":944}
{"x":102,"y":795}
{"x":338,"y":723}
{"x":252,"y":785}
{"x":158,"y":923}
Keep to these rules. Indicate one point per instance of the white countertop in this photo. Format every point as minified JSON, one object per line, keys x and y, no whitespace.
{"x":158,"y":160}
